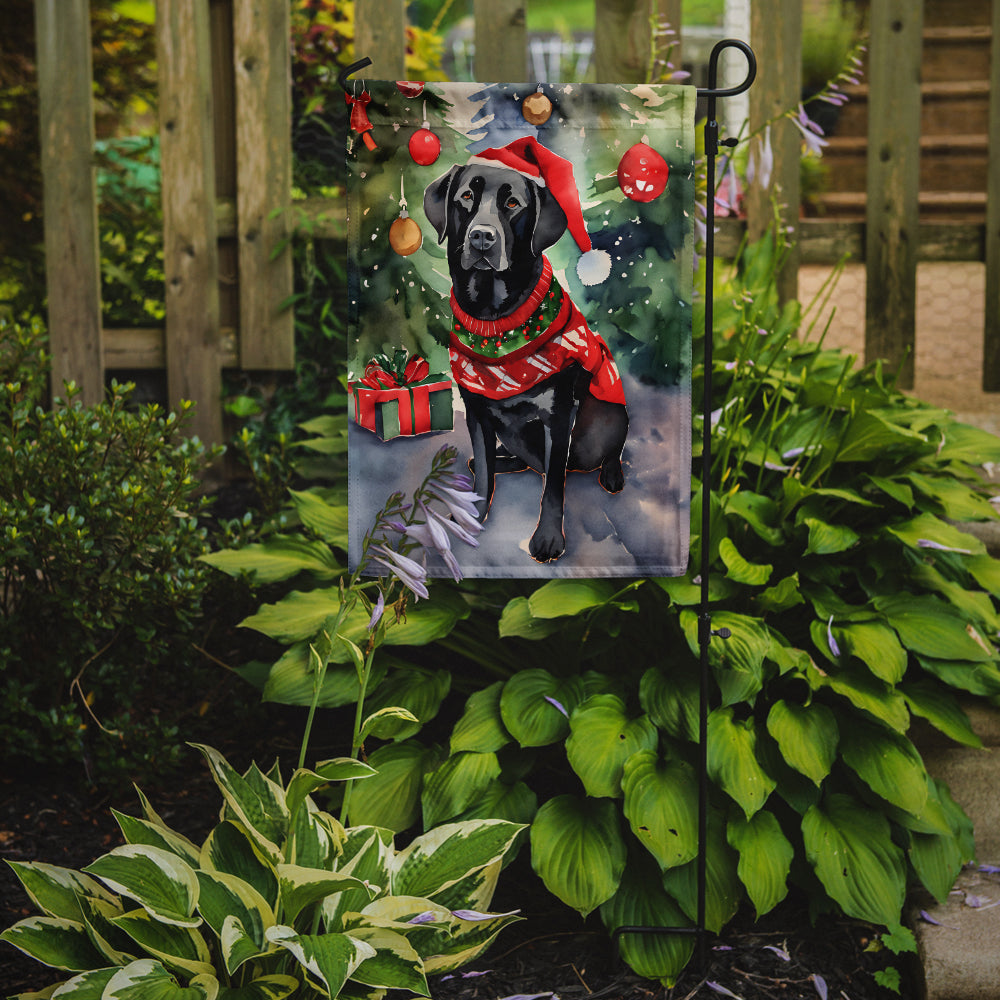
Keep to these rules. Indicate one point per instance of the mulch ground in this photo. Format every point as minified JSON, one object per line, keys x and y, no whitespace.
{"x":550,"y":953}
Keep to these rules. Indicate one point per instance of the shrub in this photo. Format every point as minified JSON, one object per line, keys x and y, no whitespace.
{"x":99,"y":539}
{"x":280,"y":899}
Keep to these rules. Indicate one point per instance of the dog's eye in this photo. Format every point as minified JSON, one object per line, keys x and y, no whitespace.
{"x":466,"y":196}
{"x":513,"y":203}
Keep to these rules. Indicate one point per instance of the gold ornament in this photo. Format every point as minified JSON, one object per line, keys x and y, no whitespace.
{"x":404,"y":235}
{"x":536,"y":108}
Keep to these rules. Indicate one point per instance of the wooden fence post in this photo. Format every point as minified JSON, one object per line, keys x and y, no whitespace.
{"x":501,"y":38}
{"x":622,"y":40}
{"x":991,"y":332}
{"x":190,"y":250}
{"x":261,"y":56}
{"x":72,"y":255}
{"x":380,"y":34}
{"x":776,"y":35}
{"x":892,"y":215}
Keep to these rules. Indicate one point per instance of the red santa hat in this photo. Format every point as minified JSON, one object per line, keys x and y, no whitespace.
{"x":529,"y":157}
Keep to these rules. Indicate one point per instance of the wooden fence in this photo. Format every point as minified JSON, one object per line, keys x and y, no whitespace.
{"x":226,"y":161}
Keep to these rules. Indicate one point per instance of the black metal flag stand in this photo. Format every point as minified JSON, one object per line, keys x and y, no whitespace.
{"x":705,"y":631}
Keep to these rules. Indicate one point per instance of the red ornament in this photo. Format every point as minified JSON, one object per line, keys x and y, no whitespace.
{"x":410,"y":88}
{"x":359,"y":116}
{"x":425,"y":146}
{"x":642,"y":173}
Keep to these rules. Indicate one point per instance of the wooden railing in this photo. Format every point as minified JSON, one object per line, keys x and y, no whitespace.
{"x":226,"y":161}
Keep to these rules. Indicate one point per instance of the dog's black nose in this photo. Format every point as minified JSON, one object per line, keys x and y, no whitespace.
{"x":482,"y":237}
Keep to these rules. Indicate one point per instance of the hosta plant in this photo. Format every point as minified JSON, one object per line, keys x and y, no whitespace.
{"x":856,"y":603}
{"x":279,"y":900}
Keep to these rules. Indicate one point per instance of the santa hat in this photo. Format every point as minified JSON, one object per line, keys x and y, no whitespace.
{"x":529,"y":157}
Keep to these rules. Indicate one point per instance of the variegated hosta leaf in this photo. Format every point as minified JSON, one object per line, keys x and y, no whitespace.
{"x":602,"y":737}
{"x":888,"y":763}
{"x":732,"y":760}
{"x":315,"y":839}
{"x":578,"y":851}
{"x":177,"y":947}
{"x":224,"y":898}
{"x":158,"y":880}
{"x":275,"y":987}
{"x":147,"y":979}
{"x":54,"y":941}
{"x":807,"y":736}
{"x":642,"y":902}
{"x":301,"y":887}
{"x":116,"y":947}
{"x":481,"y":727}
{"x":230,"y":849}
{"x":475,"y":891}
{"x":87,"y":986}
{"x":418,"y":691}
{"x":367,"y":853}
{"x":141,"y":831}
{"x":661,"y":800}
{"x":328,"y":959}
{"x":256,"y":801}
{"x":304,"y":782}
{"x":723,"y":889}
{"x":56,"y":891}
{"x":441,"y":857}
{"x":850,"y":847}
{"x":535,"y":706}
{"x":765,"y":858}
{"x":456,"y":784}
{"x":395,"y":964}
{"x":391,"y":799}
{"x":468,"y":939}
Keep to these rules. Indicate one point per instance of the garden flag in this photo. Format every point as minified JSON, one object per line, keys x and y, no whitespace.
{"x":520,"y":285}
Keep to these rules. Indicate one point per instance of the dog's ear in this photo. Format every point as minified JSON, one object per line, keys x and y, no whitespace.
{"x":436,"y":196}
{"x":550,"y":220}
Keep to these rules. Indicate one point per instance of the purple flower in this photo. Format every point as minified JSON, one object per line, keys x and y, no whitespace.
{"x":780,"y":952}
{"x":558,"y":705}
{"x":475,"y":915}
{"x":427,"y":917}
{"x":927,"y":543}
{"x":820,"y":983}
{"x":719,"y":988}
{"x":760,"y":166}
{"x":811,"y":132}
{"x":377,"y":611}
{"x":834,"y":648}
{"x":411,"y":573}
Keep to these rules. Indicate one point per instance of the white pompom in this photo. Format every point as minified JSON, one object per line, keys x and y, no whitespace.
{"x":593,"y":267}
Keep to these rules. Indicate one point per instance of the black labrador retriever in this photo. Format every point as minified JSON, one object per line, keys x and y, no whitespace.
{"x":497,"y":222}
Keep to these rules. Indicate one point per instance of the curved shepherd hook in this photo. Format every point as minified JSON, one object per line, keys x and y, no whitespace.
{"x":350,"y":70}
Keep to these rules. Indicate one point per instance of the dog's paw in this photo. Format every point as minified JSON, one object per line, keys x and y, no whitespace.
{"x":546,"y":545}
{"x":611,"y":476}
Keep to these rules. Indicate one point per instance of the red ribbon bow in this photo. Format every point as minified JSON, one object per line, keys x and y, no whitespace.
{"x":378,"y":377}
{"x":359,"y":116}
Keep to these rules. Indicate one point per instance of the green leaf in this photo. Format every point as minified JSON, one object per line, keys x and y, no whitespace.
{"x":850,"y":848}
{"x":417,"y":690}
{"x":387,"y":722}
{"x":391,"y":798}
{"x":304,"y":782}
{"x":54,"y":941}
{"x":937,"y":859}
{"x":516,"y":803}
{"x":292,"y":681}
{"x":888,"y":763}
{"x":517,"y":620}
{"x":164,"y":885}
{"x":395,"y":964}
{"x":671,"y":701}
{"x":438,"y":859}
{"x":765,"y":858}
{"x":230,"y":849}
{"x":456,"y":784}
{"x":530,"y":706}
{"x":640,"y":901}
{"x":225,"y":897}
{"x":866,"y":692}
{"x":279,"y":558}
{"x":327,"y":520}
{"x":941,"y":709}
{"x":723,"y":889}
{"x":274,"y":987}
{"x":141,"y":831}
{"x":928,"y":528}
{"x":181,"y":948}
{"x":732,"y":760}
{"x":931,"y":628}
{"x":957,"y":501}
{"x":578,"y":851}
{"x":965,"y":443}
{"x":86,"y":986}
{"x":56,"y":891}
{"x":869,"y":436}
{"x":561,"y":598}
{"x":147,"y":979}
{"x":760,"y":512}
{"x":986,"y":571}
{"x":807,"y":736}
{"x":330,"y":959}
{"x":876,"y":646}
{"x":481,"y":727}
{"x":301,"y":887}
{"x":828,"y":539}
{"x":602,"y":738}
{"x":661,"y":798}
{"x":738,"y":661}
{"x":751,"y":574}
{"x":783,"y":595}
{"x":976,"y":678}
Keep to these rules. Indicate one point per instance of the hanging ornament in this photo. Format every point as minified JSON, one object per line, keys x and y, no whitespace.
{"x":642,"y":173}
{"x":425,"y":146}
{"x":536,"y":108}
{"x":404,"y":234}
{"x":359,"y":117}
{"x":410,"y":88}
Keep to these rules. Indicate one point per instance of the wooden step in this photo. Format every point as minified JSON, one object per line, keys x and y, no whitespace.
{"x":947,"y":162}
{"x":956,"y":53}
{"x":945,"y":12}
{"x":958,"y":206}
{"x":946,"y":107}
